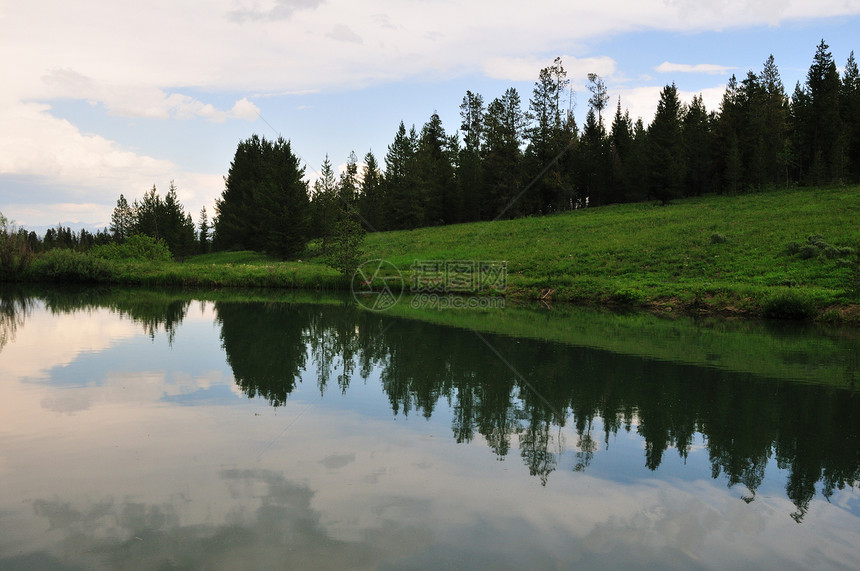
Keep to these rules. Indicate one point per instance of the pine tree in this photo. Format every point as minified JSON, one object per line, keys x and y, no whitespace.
{"x":696,"y":138}
{"x":665,"y":148}
{"x":849,"y":105}
{"x":775,"y":124}
{"x":371,"y":202}
{"x":264,"y":205}
{"x":621,"y":147}
{"x":594,"y":160}
{"x":827,"y":138}
{"x":552,"y":135}
{"x":437,"y":189}
{"x":403,"y":208}
{"x":324,"y":204}
{"x":470,"y":171}
{"x":203,"y":231}
{"x":122,"y":220}
{"x":504,"y":126}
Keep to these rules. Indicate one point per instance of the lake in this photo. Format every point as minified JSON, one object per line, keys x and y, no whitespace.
{"x":254,"y":430}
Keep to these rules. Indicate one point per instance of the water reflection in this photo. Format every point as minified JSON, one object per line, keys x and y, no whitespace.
{"x":519,"y":403}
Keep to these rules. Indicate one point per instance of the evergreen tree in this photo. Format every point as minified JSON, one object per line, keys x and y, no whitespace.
{"x":372,"y":202}
{"x":148,"y":213}
{"x":284,"y":203}
{"x":552,"y":135}
{"x":849,"y":104}
{"x":825,"y":132}
{"x":470,"y":171}
{"x":203,"y":232}
{"x":264,"y":205}
{"x":122,"y":220}
{"x":437,"y":189}
{"x":621,"y":147}
{"x":726,"y":141}
{"x":696,"y":136}
{"x":324,"y":204}
{"x":403,"y":208}
{"x":177,"y":228}
{"x":774,"y":134}
{"x":599,"y":97}
{"x":348,"y":233}
{"x":504,"y":126}
{"x":594,"y":160}
{"x":665,"y":148}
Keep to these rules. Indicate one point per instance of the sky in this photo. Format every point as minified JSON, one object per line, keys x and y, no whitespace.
{"x":100,"y":98}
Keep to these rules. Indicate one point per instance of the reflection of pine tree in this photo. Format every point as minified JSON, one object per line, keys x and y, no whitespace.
{"x":265,"y":346}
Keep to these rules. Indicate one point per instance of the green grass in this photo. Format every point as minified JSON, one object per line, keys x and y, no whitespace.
{"x":788,"y":253}
{"x":667,"y":257}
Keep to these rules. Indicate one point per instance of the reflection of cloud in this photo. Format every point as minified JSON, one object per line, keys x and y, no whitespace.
{"x":336,"y":461}
{"x":46,"y":341}
{"x":67,"y":403}
{"x":282,"y":530}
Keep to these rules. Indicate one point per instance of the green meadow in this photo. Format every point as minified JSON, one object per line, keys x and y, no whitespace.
{"x":786,"y":253}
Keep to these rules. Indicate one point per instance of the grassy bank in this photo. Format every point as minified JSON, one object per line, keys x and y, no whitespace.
{"x":788,"y":253}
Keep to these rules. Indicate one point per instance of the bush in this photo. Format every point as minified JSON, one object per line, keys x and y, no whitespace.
{"x":789,"y":305}
{"x":816,"y":247}
{"x":15,"y":252}
{"x":69,"y":266}
{"x":627,"y":296}
{"x":139,"y":247}
{"x":717,"y":238}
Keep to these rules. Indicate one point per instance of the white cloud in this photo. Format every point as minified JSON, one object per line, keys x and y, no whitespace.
{"x":707,"y":68}
{"x":175,"y":59}
{"x":343,"y":33}
{"x":642,"y":101}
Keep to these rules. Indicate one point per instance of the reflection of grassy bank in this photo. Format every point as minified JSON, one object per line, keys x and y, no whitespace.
{"x":821,"y":354}
{"x":789,"y":254}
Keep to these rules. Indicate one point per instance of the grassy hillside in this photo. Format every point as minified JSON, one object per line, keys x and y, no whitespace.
{"x":783,"y":251}
{"x":788,"y":253}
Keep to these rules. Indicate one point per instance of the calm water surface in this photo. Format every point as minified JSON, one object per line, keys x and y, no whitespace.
{"x":144,"y":431}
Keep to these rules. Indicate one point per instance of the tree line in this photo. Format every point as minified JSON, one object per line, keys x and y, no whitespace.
{"x":509,"y":159}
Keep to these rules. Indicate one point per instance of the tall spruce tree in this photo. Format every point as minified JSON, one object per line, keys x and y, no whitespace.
{"x":121,"y":220}
{"x":470,"y":169}
{"x":849,"y":104}
{"x":371,"y":201}
{"x":552,"y":135}
{"x":825,"y":131}
{"x":403,"y":209}
{"x":264,"y":205}
{"x":324,"y":204}
{"x":437,"y":188}
{"x":696,"y":139}
{"x":504,"y":128}
{"x":621,"y":148}
{"x":665,"y":148}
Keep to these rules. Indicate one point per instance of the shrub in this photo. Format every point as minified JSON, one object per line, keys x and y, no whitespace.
{"x":15,"y":252}
{"x":69,"y":266}
{"x":789,"y":305}
{"x":816,"y":247}
{"x":139,"y":247}
{"x":717,"y":238}
{"x":626,"y":296}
